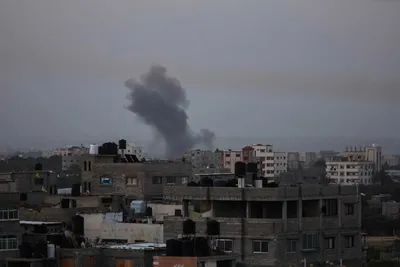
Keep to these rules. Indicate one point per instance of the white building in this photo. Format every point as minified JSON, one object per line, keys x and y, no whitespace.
{"x":132,"y":149}
{"x":347,"y":172}
{"x":272,"y":163}
{"x":69,"y":151}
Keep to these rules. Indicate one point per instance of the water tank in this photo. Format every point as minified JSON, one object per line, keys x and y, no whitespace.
{"x":93,"y":149}
{"x":240,"y":169}
{"x":138,"y":206}
{"x":252,"y":167}
{"x":51,"y":251}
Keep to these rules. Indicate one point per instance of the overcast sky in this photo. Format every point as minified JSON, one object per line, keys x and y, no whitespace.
{"x":251,"y":68}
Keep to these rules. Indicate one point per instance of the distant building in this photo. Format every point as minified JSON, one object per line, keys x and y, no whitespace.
{"x":307,"y":159}
{"x":228,"y":158}
{"x":369,"y":153}
{"x":391,"y":160}
{"x":10,"y":237}
{"x":347,"y":171}
{"x":69,"y":151}
{"x":200,"y":159}
{"x":293,"y":161}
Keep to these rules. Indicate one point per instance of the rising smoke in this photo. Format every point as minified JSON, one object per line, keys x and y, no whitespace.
{"x":160,"y":101}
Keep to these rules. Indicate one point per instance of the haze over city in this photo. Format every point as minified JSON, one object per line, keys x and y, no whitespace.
{"x":254,"y":69}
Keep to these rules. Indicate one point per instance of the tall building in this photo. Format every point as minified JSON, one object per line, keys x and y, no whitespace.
{"x":202,"y":159}
{"x":391,"y":160}
{"x":371,"y":153}
{"x":347,"y":171}
{"x":272,"y":163}
{"x":10,"y":236}
{"x":293,"y":160}
{"x":282,"y":226}
{"x":228,"y":158}
{"x":69,"y":151}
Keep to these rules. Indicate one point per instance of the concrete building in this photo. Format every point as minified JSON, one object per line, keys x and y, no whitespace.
{"x":371,"y":153}
{"x":391,"y":160}
{"x":70,"y":161}
{"x":102,"y":175}
{"x":118,"y":255}
{"x":10,"y":235}
{"x":133,"y":149}
{"x":280,"y":162}
{"x":307,"y":159}
{"x":343,"y":170}
{"x":280,"y":226}
{"x":201,"y":159}
{"x":69,"y":151}
{"x":293,"y":160}
{"x":228,"y":158}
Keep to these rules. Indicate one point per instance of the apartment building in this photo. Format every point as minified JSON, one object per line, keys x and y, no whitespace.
{"x":282,"y":226}
{"x":293,"y":160}
{"x":371,"y":153}
{"x":307,"y":159}
{"x":272,"y":163}
{"x":391,"y":160}
{"x":343,"y":170}
{"x":146,"y":180}
{"x":228,"y":158}
{"x":69,"y":151}
{"x":10,"y":235}
{"x":203,"y":159}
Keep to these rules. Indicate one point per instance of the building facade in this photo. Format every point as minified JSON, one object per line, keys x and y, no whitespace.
{"x":202,"y":159}
{"x":371,"y":153}
{"x":10,"y":235}
{"x":391,"y":160}
{"x":228,"y":158}
{"x":69,"y":151}
{"x":282,"y":226}
{"x":347,"y":172}
{"x":132,"y":149}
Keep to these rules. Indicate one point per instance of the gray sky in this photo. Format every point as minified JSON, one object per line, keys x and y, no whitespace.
{"x":251,"y":68}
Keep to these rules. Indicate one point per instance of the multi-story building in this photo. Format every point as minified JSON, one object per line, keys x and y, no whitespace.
{"x":293,"y":160}
{"x":307,"y":159}
{"x":391,"y":160}
{"x":342,"y":170}
{"x":369,"y":153}
{"x":280,"y":162}
{"x":69,"y":151}
{"x":228,"y":158}
{"x":282,"y":226}
{"x":102,"y":174}
{"x":202,"y":159}
{"x":10,"y":235}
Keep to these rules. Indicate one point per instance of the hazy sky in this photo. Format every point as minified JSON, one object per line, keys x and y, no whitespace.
{"x":251,"y":68}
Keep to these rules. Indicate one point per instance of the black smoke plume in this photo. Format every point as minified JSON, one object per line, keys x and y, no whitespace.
{"x":160,"y":101}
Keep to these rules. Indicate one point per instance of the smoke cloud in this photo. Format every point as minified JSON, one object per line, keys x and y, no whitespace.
{"x":160,"y":101}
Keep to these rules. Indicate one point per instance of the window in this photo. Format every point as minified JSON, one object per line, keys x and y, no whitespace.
{"x":8,"y":214}
{"x":8,"y":242}
{"x":90,"y":166}
{"x":330,"y":243}
{"x":105,"y":181}
{"x":330,"y":207}
{"x":84,"y":166}
{"x":310,"y":241}
{"x":171,"y":179}
{"x":157,"y":180}
{"x":350,"y":241}
{"x":131,"y":181}
{"x":225,"y":245}
{"x":291,"y":246}
{"x":238,"y":155}
{"x":185,"y":180}
{"x":349,"y":209}
{"x":260,"y":246}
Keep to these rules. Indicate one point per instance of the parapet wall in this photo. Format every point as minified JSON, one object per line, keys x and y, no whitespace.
{"x":257,"y":194}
